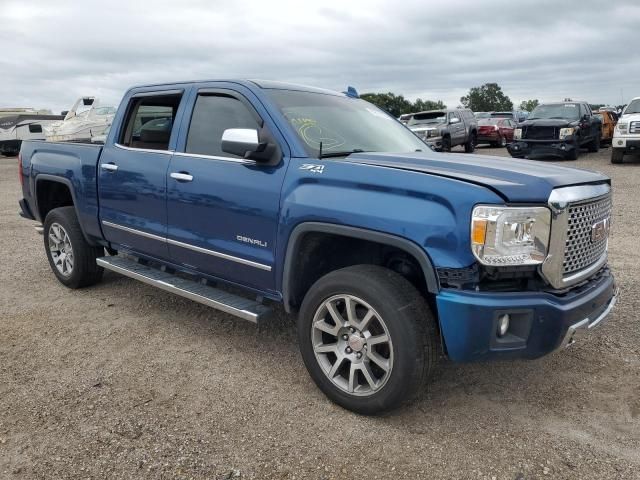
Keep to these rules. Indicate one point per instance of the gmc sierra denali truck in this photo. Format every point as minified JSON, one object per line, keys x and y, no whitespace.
{"x":244,"y":194}
{"x":558,"y":130}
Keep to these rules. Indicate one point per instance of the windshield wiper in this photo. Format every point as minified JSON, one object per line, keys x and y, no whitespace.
{"x":340,"y":154}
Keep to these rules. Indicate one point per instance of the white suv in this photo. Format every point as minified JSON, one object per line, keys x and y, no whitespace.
{"x":626,"y":136}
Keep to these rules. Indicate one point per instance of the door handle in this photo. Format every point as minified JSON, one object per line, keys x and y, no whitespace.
{"x":110,"y":167}
{"x":181,"y":176}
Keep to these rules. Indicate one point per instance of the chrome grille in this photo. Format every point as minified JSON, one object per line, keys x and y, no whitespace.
{"x":580,"y":251}
{"x":634,"y":127}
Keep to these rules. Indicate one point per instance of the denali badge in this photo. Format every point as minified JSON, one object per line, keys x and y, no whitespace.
{"x":252,"y":241}
{"x":600,"y":230}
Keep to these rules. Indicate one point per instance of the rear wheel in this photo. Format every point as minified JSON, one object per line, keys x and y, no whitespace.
{"x":367,"y":337}
{"x":503,"y":142}
{"x":470,"y":146}
{"x":617,"y":155}
{"x":72,"y":259}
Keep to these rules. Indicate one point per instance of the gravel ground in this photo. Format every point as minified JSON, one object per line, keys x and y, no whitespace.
{"x":124,"y":381}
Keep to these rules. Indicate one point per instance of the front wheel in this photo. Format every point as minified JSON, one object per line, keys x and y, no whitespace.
{"x":617,"y":155}
{"x":72,"y":259}
{"x":594,"y":145}
{"x":470,"y":146}
{"x":367,"y":338}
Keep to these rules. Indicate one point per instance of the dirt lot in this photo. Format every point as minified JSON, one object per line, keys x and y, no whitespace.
{"x":125,"y":381}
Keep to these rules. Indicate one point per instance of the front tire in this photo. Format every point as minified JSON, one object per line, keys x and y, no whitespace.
{"x":470,"y":146}
{"x":617,"y":155}
{"x":367,"y":338}
{"x":594,"y":145}
{"x":72,"y":259}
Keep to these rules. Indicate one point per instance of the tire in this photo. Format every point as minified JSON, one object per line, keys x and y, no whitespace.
{"x":573,"y":155}
{"x":446,"y":144}
{"x":617,"y":155}
{"x":503,"y":142}
{"x":72,"y":259}
{"x":594,"y":145}
{"x":397,"y":311}
{"x":470,"y":146}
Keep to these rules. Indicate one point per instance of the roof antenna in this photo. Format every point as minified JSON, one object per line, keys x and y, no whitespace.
{"x":320,"y":152}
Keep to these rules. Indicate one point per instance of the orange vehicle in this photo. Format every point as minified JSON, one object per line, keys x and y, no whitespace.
{"x":608,"y":124}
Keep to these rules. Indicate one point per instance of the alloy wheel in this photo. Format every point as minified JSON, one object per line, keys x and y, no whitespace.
{"x":352,"y":345}
{"x":61,"y":249}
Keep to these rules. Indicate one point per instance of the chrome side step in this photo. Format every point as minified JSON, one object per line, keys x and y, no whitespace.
{"x":213,"y":297}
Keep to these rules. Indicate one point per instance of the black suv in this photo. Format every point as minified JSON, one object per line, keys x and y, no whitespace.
{"x":557,"y":129}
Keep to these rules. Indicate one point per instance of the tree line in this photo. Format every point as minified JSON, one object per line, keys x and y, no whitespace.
{"x":485,"y":98}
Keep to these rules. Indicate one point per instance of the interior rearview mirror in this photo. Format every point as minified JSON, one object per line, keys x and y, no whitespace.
{"x":242,"y":142}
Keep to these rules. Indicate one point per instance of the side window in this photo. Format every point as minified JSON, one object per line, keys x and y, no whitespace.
{"x":212,"y":115}
{"x":452,"y":115}
{"x":149,"y":122}
{"x":35,"y":128}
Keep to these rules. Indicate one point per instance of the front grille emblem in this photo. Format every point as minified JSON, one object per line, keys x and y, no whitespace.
{"x":600,"y":230}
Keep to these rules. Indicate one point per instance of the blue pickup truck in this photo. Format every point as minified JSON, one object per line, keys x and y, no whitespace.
{"x":244,"y":194}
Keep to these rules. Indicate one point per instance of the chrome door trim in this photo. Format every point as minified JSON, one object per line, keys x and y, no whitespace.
{"x":148,"y":150}
{"x":215,"y":157}
{"x":559,"y":201}
{"x":224,"y":256}
{"x":195,"y":248}
{"x":134,"y":231}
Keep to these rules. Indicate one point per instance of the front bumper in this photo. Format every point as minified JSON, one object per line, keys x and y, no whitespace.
{"x":556,"y":148}
{"x":540,"y":321}
{"x":629,"y":144}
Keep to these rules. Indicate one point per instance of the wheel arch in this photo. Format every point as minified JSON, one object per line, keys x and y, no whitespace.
{"x":297,"y":237}
{"x":42,"y":210}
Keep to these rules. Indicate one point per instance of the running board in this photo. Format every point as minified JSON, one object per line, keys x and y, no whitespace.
{"x":213,"y":297}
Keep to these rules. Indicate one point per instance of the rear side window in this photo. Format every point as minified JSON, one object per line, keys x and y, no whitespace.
{"x":212,"y":115}
{"x":35,"y":128}
{"x":150,"y":121}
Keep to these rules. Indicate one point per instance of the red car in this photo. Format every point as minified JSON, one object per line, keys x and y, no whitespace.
{"x":496,"y":131}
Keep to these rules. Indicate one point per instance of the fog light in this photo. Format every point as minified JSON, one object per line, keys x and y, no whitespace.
{"x":620,"y":142}
{"x":503,"y":324}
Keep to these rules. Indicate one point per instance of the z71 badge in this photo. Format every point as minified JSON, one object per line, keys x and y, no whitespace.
{"x":312,"y":167}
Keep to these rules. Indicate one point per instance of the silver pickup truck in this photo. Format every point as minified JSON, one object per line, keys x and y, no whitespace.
{"x":444,"y":129}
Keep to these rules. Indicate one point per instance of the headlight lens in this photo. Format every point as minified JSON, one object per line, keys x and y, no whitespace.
{"x":517,"y":134}
{"x":622,"y":127}
{"x":507,"y":236}
{"x":566,"y":132}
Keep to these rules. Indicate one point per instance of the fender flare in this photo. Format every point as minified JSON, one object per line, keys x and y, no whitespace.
{"x":65,"y":181}
{"x":354,"y":232}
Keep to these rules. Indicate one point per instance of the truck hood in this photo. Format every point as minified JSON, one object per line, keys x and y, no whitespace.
{"x":548,"y":122}
{"x":515,"y":180}
{"x":630,"y":117}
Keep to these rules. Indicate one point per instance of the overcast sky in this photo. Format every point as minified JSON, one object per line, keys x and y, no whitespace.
{"x":53,"y":51}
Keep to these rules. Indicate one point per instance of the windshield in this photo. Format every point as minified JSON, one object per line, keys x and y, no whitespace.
{"x":343,"y":124}
{"x":482,"y":114}
{"x":633,"y":107}
{"x":428,"y":118}
{"x":490,"y":121}
{"x":568,"y":111}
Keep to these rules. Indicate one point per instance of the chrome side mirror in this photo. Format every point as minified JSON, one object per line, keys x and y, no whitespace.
{"x":454,"y":120}
{"x":241,"y":141}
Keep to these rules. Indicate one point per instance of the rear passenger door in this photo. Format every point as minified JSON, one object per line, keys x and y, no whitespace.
{"x":222,"y":209}
{"x":132,"y":185}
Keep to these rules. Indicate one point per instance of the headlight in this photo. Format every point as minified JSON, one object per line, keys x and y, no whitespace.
{"x":566,"y":132}
{"x":517,"y":134}
{"x":622,"y":127}
{"x":507,"y":236}
{"x":433,"y":133}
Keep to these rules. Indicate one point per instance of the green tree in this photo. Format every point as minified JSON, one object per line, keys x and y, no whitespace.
{"x":489,"y":97}
{"x":529,"y":105}
{"x":423,"y":105}
{"x":396,"y":105}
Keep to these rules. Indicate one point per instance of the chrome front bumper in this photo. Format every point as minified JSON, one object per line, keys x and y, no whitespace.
{"x":581,"y":328}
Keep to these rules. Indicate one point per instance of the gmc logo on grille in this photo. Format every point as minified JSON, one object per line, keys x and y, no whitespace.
{"x":600,"y":230}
